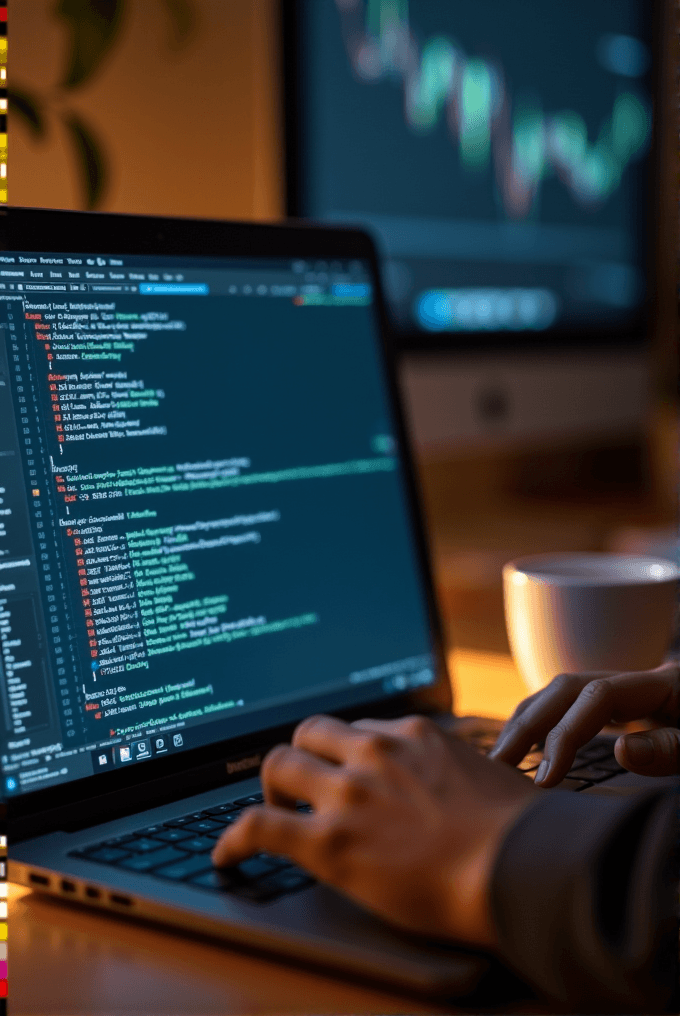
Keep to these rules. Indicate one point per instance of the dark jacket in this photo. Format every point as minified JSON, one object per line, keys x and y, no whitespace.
{"x":585,"y":899}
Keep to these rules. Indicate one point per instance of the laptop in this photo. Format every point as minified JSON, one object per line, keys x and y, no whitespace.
{"x":210,"y":530}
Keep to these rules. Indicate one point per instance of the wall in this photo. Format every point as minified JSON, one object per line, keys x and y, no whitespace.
{"x":192,"y":130}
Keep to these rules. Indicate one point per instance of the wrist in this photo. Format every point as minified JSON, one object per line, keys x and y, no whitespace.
{"x":469,"y":879}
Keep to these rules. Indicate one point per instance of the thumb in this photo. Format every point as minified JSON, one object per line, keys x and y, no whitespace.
{"x":650,"y":753}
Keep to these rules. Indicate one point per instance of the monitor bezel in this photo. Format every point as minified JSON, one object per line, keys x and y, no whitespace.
{"x":634,"y":336}
{"x":156,"y":780}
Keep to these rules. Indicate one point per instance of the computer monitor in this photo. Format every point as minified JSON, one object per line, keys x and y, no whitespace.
{"x":502,"y":155}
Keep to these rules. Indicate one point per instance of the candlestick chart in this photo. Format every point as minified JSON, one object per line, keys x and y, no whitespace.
{"x":492,"y":125}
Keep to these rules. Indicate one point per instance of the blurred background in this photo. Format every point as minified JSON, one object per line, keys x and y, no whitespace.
{"x":517,"y":163}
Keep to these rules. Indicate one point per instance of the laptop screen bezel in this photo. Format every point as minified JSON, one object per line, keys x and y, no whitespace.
{"x":37,"y":230}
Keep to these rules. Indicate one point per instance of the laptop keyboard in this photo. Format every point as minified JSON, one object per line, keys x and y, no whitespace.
{"x":179,"y":851}
{"x":594,"y":762}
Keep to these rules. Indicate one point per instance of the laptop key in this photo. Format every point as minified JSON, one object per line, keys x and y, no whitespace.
{"x":214,"y":835}
{"x":283,"y":862}
{"x":275,"y":860}
{"x":145,"y":862}
{"x":108,"y":855}
{"x":222,"y":821}
{"x":185,"y":869}
{"x":228,"y":820}
{"x":173,"y":835}
{"x":221,"y":809}
{"x":253,"y":867}
{"x":287,"y":881}
{"x":183,"y":820}
{"x":116,"y":841}
{"x":143,"y":845}
{"x":596,"y":750}
{"x":216,"y":879}
{"x":204,"y":826}
{"x":256,"y":892}
{"x":570,"y":784}
{"x":595,"y":773}
{"x":250,"y":799}
{"x":197,"y":845}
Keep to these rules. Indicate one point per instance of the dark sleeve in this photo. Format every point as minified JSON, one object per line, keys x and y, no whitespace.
{"x":585,"y":901}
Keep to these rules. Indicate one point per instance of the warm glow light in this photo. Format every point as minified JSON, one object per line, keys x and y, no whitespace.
{"x":485,"y":683}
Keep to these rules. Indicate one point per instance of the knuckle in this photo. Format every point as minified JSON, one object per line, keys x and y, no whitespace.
{"x":273,"y":761}
{"x":251,"y":822}
{"x":418,"y":726}
{"x":561,"y":733}
{"x":596,"y":691}
{"x":568,"y":682}
{"x":307,"y":725}
{"x":374,"y":747}
{"x":352,"y":788}
{"x":333,"y":839}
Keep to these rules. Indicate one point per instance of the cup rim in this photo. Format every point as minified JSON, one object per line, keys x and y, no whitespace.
{"x":535,"y":568}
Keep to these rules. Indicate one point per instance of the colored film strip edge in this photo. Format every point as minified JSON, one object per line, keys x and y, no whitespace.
{"x":3,"y":102}
{"x":3,"y":910}
{"x":3,"y":806}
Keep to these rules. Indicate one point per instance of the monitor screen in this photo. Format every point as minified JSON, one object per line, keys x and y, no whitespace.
{"x":204,"y":530}
{"x":499,"y":151}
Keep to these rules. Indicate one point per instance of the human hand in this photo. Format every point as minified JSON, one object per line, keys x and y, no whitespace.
{"x":574,"y":707}
{"x":407,"y":820}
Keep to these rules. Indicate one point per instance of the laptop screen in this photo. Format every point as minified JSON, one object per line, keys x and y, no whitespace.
{"x":203,"y":521}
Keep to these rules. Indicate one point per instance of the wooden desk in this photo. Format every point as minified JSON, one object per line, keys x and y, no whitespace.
{"x":67,"y":961}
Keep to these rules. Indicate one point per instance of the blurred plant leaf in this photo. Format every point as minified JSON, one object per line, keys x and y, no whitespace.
{"x":29,"y":109}
{"x":94,"y":25}
{"x":183,"y":21}
{"x":90,"y":158}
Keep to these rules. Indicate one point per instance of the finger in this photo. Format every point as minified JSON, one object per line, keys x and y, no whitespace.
{"x":511,"y":726}
{"x":651,"y":753}
{"x":290,"y":774}
{"x":407,"y":728}
{"x":328,"y":738}
{"x":412,"y":740}
{"x":670,"y":711}
{"x":538,"y":714}
{"x":621,"y":697}
{"x":265,"y":827}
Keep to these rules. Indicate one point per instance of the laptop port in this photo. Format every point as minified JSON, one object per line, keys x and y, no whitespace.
{"x":122,"y":901}
{"x":38,"y":879}
{"x":93,"y":893}
{"x":67,"y":887}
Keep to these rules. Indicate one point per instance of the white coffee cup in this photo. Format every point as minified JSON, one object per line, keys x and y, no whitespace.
{"x":567,"y":613}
